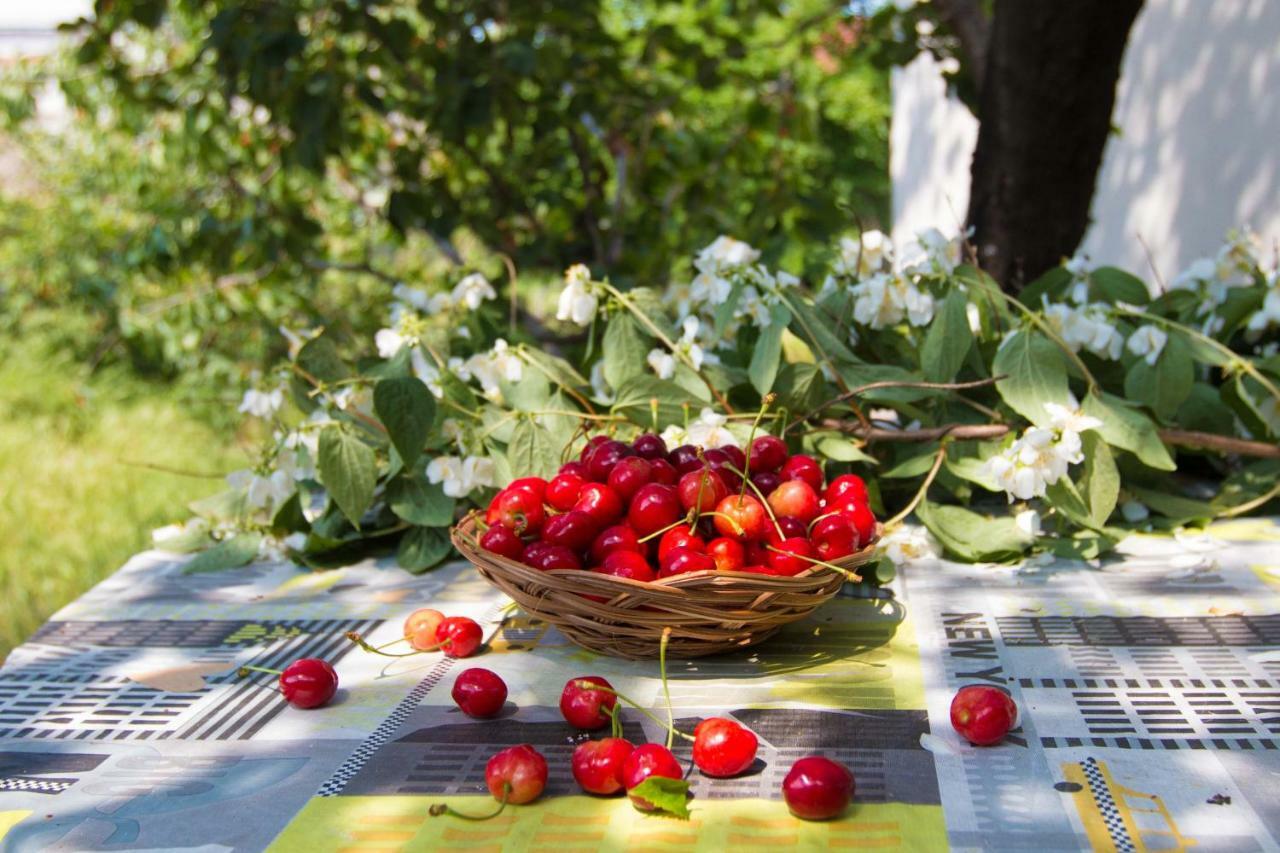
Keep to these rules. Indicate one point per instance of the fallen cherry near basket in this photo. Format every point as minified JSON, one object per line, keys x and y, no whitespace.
{"x":305,"y":683}
{"x":749,"y":540}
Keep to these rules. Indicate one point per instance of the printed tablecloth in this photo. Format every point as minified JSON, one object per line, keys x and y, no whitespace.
{"x":1149,"y":686}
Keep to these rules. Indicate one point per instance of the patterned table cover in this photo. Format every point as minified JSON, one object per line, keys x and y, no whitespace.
{"x":1149,"y":686}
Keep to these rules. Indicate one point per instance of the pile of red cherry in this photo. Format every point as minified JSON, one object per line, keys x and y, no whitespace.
{"x":765,"y":512}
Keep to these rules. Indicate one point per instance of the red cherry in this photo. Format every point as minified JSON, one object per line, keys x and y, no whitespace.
{"x":577,"y":469}
{"x":649,"y":759}
{"x":308,"y":683}
{"x":703,"y":488}
{"x":601,"y":459}
{"x":582,"y":706}
{"x":650,"y":446}
{"x":768,"y":453}
{"x":563,"y":491}
{"x":574,"y":530}
{"x":628,"y":475}
{"x":619,"y":537}
{"x":761,"y":569}
{"x":600,"y":502}
{"x":681,"y":560}
{"x":785,"y":528}
{"x":801,"y":467}
{"x":817,"y":788}
{"x":735,"y":456}
{"x":502,"y":540}
{"x":592,"y":443}
{"x":983,"y":715}
{"x":796,"y":557}
{"x":459,"y":636}
{"x":597,"y":764}
{"x":833,"y":537}
{"x":685,"y":458}
{"x":420,"y":628}
{"x":517,"y":774}
{"x":795,"y":499}
{"x":766,"y":481}
{"x":727,"y":553}
{"x":719,"y":460}
{"x":518,"y":510}
{"x":860,"y":515}
{"x":664,"y":472}
{"x":678,"y":537}
{"x":723,"y":747}
{"x":653,"y":508}
{"x":479,"y":692}
{"x":846,"y":486}
{"x":741,"y":517}
{"x":754,"y":553}
{"x":535,"y":486}
{"x":626,"y":564}
{"x":546,"y":557}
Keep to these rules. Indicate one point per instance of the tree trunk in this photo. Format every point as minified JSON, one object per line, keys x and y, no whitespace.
{"x":1045,"y":113}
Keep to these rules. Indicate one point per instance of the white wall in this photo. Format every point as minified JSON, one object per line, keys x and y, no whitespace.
{"x":1198,"y":151}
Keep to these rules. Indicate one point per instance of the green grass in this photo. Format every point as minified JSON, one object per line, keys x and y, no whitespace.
{"x":74,"y":502}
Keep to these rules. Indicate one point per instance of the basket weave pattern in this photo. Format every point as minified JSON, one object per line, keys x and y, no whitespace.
{"x":708,"y":612}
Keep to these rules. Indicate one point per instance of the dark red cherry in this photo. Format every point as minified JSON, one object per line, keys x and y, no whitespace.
{"x":650,"y":446}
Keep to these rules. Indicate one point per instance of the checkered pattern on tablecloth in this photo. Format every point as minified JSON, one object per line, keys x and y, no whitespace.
{"x":1107,"y":807}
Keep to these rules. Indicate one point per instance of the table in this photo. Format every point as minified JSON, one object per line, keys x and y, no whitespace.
{"x":1149,"y":687}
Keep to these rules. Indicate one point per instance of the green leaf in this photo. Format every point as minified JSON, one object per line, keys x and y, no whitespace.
{"x":1178,"y":509}
{"x":232,"y":552}
{"x":842,"y":449}
{"x":633,"y":401}
{"x":816,"y":329}
{"x":186,"y":542}
{"x":532,"y":452}
{"x":1035,"y":374}
{"x":419,"y":502}
{"x":1052,"y":284}
{"x":1066,"y":498}
{"x":1204,"y":410}
{"x":227,"y":505}
{"x":916,"y":464}
{"x":557,"y":369}
{"x":801,"y":387}
{"x":348,"y":470}
{"x":1201,"y":350}
{"x":974,"y":470}
{"x":407,"y":409}
{"x":1165,"y":385}
{"x":624,"y":348}
{"x":1128,"y":429}
{"x":1085,"y":545}
{"x":1111,"y":284}
{"x":1100,"y":483}
{"x":290,"y":518}
{"x":319,"y":358}
{"x":948,"y":340}
{"x":973,"y":537}
{"x":423,"y":548}
{"x":670,"y":796}
{"x":767,"y":356}
{"x":879,"y":572}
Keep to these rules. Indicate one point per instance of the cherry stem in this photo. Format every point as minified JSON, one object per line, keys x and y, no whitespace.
{"x":751,"y":437}
{"x":737,"y":528}
{"x":377,"y":650}
{"x":662,"y":530}
{"x":583,"y":684}
{"x":666,"y":691}
{"x":444,"y":808}
{"x":615,"y":724}
{"x":763,"y":500}
{"x":247,"y":668}
{"x":853,"y":576}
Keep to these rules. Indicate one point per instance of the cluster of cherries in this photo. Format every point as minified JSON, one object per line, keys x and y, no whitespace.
{"x":816,"y":788}
{"x":765,"y":511}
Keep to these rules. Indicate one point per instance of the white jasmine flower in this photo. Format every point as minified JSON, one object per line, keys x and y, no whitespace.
{"x":261,"y":404}
{"x":884,"y":300}
{"x":427,"y":303}
{"x":974,"y":316}
{"x":870,"y":253}
{"x":1077,"y":265}
{"x":725,"y":253}
{"x":461,"y":476}
{"x":709,"y":431}
{"x":353,"y":398}
{"x":577,"y":301}
{"x":473,"y":290}
{"x":297,"y":339}
{"x":388,"y":341}
{"x":1041,"y":455}
{"x":662,"y":362}
{"x":941,"y":255}
{"x":1028,"y":522}
{"x":1087,"y":327}
{"x":710,"y":289}
{"x":1070,"y":417}
{"x":600,"y":389}
{"x":1148,"y":342}
{"x":453,"y":431}
{"x":754,"y":308}
{"x":262,"y":492}
{"x":276,"y":550}
{"x":426,"y":370}
{"x":1269,"y":314}
{"x":675,"y":435}
{"x":1134,"y":511}
{"x":489,"y":368}
{"x":909,"y":543}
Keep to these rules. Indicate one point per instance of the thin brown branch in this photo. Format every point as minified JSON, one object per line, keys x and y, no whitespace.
{"x":1220,"y":443}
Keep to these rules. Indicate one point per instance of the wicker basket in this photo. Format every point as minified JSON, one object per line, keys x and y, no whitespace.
{"x":708,"y":612}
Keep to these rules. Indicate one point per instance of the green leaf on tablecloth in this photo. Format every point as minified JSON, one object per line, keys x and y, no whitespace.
{"x":228,"y":505}
{"x":624,"y":348}
{"x":188,"y":541}
{"x":1177,"y":508}
{"x":348,"y":469}
{"x":416,"y":501}
{"x":532,"y":452}
{"x":407,"y":409}
{"x":973,"y":537}
{"x":423,"y":548}
{"x":1034,"y":372}
{"x":1129,"y":429}
{"x":767,"y":355}
{"x":1100,"y":482}
{"x":230,"y":553}
{"x":290,"y":518}
{"x":879,"y":571}
{"x":669,"y":796}
{"x":948,"y":340}
{"x":1085,"y":545}
{"x":1164,"y":385}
